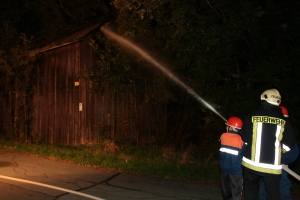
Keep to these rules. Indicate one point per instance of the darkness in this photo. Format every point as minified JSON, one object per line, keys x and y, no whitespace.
{"x":227,"y":52}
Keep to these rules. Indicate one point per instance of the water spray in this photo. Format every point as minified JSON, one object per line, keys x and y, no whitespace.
{"x":123,"y":41}
{"x":147,"y":57}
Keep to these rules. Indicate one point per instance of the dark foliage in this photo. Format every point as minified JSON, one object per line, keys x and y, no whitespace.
{"x":228,"y":52}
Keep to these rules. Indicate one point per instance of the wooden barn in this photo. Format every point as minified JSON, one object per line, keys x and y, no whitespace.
{"x":64,"y":111}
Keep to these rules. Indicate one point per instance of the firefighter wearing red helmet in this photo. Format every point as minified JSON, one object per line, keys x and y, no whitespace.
{"x":231,"y":154}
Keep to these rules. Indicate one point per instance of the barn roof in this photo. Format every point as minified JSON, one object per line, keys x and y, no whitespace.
{"x":79,"y":35}
{"x":76,"y":37}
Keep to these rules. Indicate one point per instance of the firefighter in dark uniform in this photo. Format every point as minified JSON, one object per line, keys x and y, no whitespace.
{"x":267,"y":134}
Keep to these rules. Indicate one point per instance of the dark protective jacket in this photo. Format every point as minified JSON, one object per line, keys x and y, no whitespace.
{"x":267,"y":134}
{"x":231,"y":153}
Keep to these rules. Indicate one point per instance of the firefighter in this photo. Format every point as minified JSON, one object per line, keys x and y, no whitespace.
{"x":231,"y":154}
{"x":287,"y":158}
{"x":267,"y":134}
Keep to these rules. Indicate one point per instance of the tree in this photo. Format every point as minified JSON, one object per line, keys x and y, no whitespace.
{"x":229,"y":52}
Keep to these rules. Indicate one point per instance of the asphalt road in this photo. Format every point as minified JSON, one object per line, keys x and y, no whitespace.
{"x":32,"y":178}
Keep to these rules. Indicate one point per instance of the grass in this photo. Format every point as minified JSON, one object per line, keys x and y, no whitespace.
{"x":191,"y":164}
{"x":166,"y":163}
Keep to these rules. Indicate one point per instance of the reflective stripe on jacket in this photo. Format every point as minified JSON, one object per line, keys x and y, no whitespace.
{"x":231,"y":153}
{"x":266,"y":131}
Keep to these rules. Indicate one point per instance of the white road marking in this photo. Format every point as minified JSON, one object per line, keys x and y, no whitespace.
{"x":52,"y":187}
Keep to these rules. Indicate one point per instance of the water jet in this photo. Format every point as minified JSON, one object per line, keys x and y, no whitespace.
{"x":127,"y":44}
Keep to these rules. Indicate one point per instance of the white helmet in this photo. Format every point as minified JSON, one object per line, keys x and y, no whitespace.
{"x":271,"y":96}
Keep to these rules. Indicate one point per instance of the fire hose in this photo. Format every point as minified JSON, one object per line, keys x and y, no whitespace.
{"x":287,"y":169}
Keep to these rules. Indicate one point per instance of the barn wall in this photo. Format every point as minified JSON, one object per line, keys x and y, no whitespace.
{"x":56,"y":116}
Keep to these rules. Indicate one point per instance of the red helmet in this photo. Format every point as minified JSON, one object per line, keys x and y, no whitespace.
{"x":284,"y":111}
{"x":234,"y":122}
